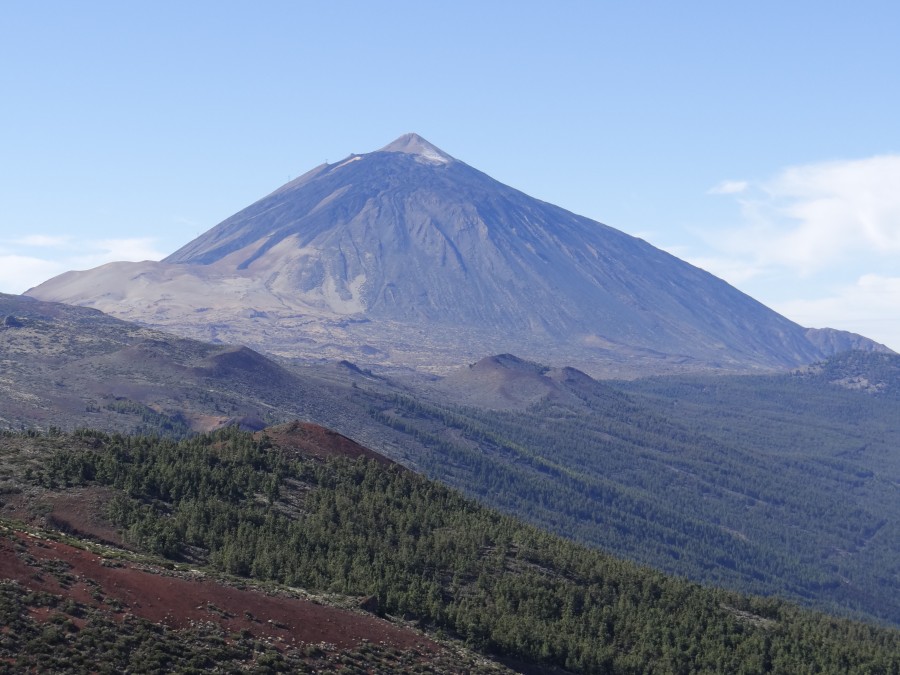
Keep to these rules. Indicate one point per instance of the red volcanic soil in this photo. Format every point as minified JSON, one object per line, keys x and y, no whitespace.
{"x":181,"y":599}
{"x":83,"y":512}
{"x":79,"y":511}
{"x":311,"y":440}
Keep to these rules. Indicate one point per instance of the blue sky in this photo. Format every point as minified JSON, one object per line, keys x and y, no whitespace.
{"x":757,"y":140}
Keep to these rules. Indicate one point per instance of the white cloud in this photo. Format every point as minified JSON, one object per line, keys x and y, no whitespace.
{"x":109,"y":250}
{"x":729,"y":187}
{"x":819,"y":243}
{"x":43,"y":240}
{"x":733,"y":270}
{"x":22,"y":268}
{"x":809,"y":217}
{"x":18,"y":273}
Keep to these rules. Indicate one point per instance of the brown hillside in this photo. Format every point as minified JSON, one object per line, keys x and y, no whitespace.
{"x":182,"y":599}
{"x":312,"y":440}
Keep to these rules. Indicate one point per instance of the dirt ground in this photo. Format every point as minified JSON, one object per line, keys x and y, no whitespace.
{"x":181,"y":599}
{"x":312,"y":440}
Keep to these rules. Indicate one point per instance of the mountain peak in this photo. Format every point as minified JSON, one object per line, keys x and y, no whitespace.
{"x":413,"y":144}
{"x":411,"y":258}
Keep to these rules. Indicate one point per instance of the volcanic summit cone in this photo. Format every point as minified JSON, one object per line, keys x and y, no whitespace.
{"x":406,"y":256}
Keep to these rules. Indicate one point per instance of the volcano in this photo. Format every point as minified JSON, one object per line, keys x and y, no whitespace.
{"x":409,"y":257}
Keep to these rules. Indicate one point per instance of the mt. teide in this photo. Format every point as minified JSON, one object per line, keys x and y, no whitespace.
{"x":407,"y":256}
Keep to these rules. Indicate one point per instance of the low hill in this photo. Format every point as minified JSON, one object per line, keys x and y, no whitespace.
{"x":70,"y":366}
{"x":504,"y":382}
{"x":313,"y":440}
{"x":872,"y":373}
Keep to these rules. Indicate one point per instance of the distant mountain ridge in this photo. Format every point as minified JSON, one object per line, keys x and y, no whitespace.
{"x":406,"y":256}
{"x":73,"y":367}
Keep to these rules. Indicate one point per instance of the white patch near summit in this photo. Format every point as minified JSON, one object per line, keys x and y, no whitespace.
{"x":345,"y":163}
{"x":413,"y":144}
{"x":431,"y":156}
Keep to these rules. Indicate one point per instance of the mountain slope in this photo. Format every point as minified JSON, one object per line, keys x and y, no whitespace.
{"x":778,"y":484}
{"x":407,"y":256}
{"x":69,"y":366}
{"x":243,"y":506}
{"x":796,"y":473}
